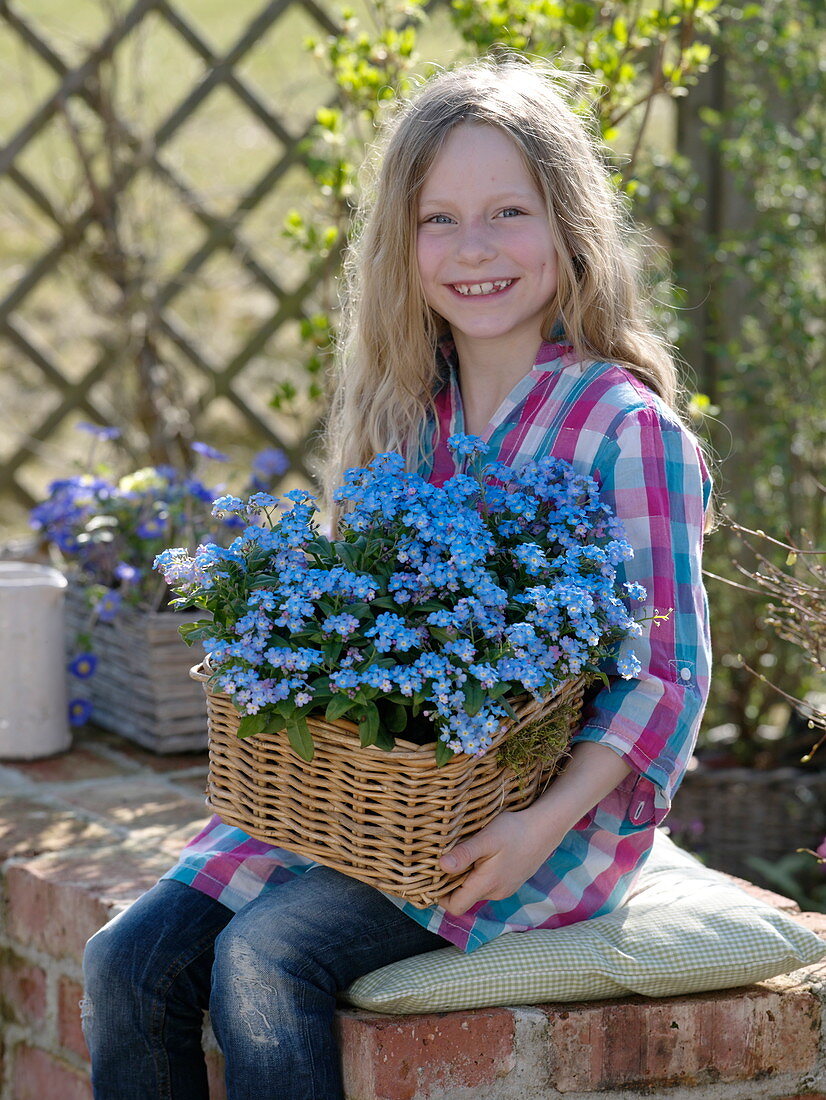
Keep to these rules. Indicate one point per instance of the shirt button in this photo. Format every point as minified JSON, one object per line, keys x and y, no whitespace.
{"x":685,"y":673}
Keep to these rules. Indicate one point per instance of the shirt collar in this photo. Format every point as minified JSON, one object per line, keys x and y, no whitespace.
{"x":547,"y":357}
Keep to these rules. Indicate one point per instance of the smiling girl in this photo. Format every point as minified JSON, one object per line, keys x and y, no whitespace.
{"x":490,"y":292}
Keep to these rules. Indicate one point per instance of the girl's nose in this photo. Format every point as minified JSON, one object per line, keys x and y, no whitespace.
{"x":474,"y":243}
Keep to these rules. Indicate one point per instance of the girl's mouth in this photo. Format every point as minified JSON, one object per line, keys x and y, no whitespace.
{"x":472,"y":290}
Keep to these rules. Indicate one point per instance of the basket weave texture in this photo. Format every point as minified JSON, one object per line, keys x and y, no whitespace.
{"x":383,"y":817}
{"x":742,"y":812}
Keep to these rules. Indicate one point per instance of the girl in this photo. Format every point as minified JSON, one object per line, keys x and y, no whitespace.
{"x":492,"y":294}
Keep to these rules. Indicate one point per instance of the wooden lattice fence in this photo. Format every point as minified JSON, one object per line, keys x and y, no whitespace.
{"x":178,"y":321}
{"x":148,"y":331}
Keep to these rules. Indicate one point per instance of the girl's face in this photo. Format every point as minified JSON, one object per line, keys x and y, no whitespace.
{"x":485,"y":253}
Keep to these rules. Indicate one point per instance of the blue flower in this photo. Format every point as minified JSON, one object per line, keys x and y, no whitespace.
{"x":98,"y":431}
{"x":227,"y":503}
{"x":80,"y":711}
{"x":467,"y":445}
{"x":270,"y":463}
{"x":127,"y":573}
{"x":634,"y":591}
{"x":506,"y":580}
{"x":628,"y":666}
{"x":263,"y":500}
{"x":83,"y":666}
{"x":152,"y":528}
{"x":209,"y":452}
{"x":108,"y":606}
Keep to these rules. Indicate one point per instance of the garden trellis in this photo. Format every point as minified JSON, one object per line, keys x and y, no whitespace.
{"x":75,"y":395}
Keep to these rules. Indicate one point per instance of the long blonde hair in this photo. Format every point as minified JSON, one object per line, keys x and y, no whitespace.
{"x":386,"y":372}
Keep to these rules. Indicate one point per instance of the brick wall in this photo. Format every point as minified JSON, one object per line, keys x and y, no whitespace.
{"x":84,"y":833}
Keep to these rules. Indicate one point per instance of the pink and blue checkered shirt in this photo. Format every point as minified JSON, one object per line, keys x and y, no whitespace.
{"x":598,"y":417}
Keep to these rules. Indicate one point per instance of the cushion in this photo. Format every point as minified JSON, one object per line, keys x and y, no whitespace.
{"x":683,"y":929}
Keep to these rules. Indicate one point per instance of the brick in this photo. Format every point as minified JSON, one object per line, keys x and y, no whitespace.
{"x":779,"y":901}
{"x":195,"y":784}
{"x":815,"y":922}
{"x":55,"y":903}
{"x":28,"y":828}
{"x":22,"y":989}
{"x":138,"y":804}
{"x":136,"y":756}
{"x":406,"y":1058}
{"x":37,"y":1075}
{"x":79,"y":763}
{"x":69,"y":1031}
{"x":706,"y":1038}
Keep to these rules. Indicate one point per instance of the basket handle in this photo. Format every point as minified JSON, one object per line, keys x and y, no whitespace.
{"x":198,"y":672}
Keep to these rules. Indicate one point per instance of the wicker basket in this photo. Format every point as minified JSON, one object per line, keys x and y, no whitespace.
{"x":140,"y":688}
{"x":727,"y":815}
{"x":381,"y":817}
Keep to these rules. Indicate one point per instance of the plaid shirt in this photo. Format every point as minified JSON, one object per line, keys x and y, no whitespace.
{"x":606,"y":423}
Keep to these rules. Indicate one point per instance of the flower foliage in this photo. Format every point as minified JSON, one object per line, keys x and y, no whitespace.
{"x":435,"y":605}
{"x":109,"y":530}
{"x":105,"y":532}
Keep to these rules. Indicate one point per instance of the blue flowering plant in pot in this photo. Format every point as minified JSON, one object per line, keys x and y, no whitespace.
{"x":432,"y":610}
{"x":104,"y":531}
{"x":376,"y":696}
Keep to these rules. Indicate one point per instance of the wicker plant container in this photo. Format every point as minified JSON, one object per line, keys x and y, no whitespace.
{"x":378,"y":816}
{"x":731,"y":814}
{"x":140,"y":688}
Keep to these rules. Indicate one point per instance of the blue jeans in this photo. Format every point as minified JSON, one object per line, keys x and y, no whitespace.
{"x":268,"y":974}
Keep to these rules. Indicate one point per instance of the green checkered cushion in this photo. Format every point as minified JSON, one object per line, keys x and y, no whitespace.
{"x":684,"y":929}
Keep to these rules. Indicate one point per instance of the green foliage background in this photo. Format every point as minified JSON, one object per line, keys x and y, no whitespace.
{"x":712,"y":117}
{"x":756,"y":394}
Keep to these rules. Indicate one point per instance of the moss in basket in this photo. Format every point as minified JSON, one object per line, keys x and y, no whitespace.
{"x":545,"y":739}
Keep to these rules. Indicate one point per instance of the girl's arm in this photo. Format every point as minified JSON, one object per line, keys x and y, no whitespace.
{"x":516,"y":843}
{"x":652,"y":478}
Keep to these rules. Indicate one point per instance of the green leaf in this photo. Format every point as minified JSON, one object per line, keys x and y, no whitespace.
{"x":511,"y":713}
{"x":369,"y":724}
{"x":347,"y":554}
{"x":338,"y":707}
{"x":444,"y":754}
{"x":385,"y":740}
{"x":320,"y":546}
{"x":395,"y":717}
{"x":384,"y":601}
{"x":195,"y":632}
{"x":252,"y":724}
{"x":332,"y":650}
{"x":474,"y":697}
{"x":359,"y":610}
{"x":300,"y":737}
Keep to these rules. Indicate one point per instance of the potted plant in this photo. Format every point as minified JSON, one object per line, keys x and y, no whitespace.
{"x":376,"y":696}
{"x":125,"y":659}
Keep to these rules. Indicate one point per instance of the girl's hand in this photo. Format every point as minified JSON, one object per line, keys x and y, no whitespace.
{"x":514,"y":846}
{"x":505,"y":854}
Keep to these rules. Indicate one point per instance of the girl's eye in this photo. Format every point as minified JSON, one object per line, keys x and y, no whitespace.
{"x":437,"y":219}
{"x":510,"y":212}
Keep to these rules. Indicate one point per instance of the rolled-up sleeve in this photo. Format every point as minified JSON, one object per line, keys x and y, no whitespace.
{"x":653,"y":477}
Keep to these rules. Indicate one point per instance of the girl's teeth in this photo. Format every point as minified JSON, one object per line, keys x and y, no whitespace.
{"x":481,"y":288}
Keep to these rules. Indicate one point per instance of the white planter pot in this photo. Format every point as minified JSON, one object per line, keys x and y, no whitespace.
{"x":33,"y":703}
